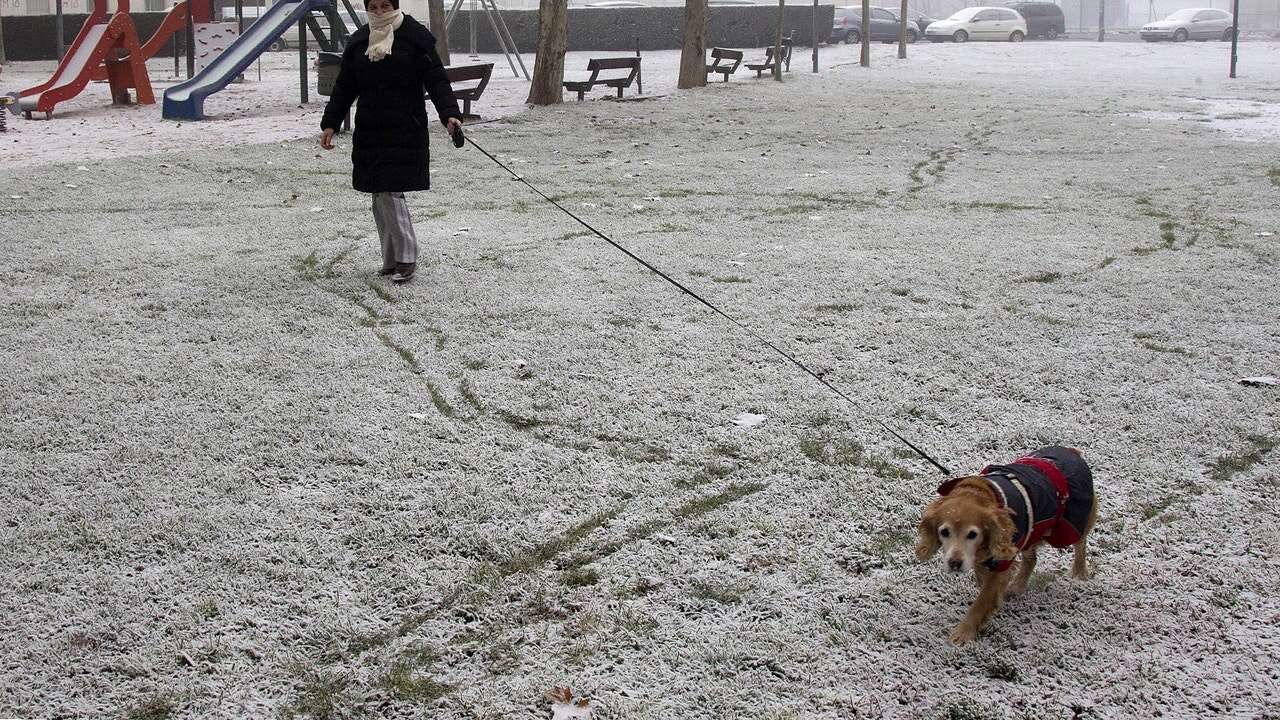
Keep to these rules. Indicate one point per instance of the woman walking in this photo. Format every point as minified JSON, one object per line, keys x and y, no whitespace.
{"x":387,"y":65}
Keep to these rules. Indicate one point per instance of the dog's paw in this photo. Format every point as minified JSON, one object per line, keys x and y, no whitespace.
{"x":1016,"y":588}
{"x":1081,"y":574}
{"x":963,"y":634}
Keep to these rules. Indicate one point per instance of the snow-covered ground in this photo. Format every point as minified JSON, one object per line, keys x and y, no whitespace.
{"x":244,"y":477}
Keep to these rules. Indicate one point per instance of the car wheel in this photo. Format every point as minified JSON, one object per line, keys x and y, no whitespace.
{"x":960,"y":36}
{"x":1051,"y":33}
{"x":1226,"y":35}
{"x":1016,"y":36}
{"x":853,"y":38}
{"x":911,"y":36}
{"x":1180,"y":35}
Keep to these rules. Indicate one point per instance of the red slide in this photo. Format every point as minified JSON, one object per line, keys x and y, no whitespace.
{"x":175,"y":21}
{"x":95,"y":49}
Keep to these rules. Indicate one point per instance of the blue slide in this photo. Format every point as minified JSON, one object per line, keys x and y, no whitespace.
{"x":185,"y":101}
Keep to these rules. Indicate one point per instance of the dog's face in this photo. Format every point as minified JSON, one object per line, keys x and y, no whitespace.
{"x":967,"y":527}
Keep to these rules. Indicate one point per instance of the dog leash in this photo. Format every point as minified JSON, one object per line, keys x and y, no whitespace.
{"x":760,"y":338}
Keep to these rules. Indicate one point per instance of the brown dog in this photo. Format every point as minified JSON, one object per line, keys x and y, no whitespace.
{"x":982,"y":522}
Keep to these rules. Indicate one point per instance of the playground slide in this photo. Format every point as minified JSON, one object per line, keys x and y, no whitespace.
{"x":72,"y":74}
{"x":185,"y":101}
{"x":174,"y":21}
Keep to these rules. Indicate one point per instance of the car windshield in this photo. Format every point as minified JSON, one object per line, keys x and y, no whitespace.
{"x":965,"y":15}
{"x":1183,"y":15}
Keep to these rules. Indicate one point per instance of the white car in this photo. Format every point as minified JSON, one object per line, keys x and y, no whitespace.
{"x":1190,"y":24}
{"x":979,"y":23}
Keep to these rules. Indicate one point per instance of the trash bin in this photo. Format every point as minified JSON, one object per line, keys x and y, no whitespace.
{"x":327,"y":64}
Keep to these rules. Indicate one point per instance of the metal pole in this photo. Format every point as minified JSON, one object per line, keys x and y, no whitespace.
{"x":472,"y":17}
{"x":57,"y":24}
{"x":815,"y":35}
{"x":191,"y":44}
{"x":2,"y":57}
{"x":1235,"y":33}
{"x":1102,"y":18}
{"x":302,"y":58}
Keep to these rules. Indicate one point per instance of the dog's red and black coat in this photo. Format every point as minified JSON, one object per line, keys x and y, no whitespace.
{"x":1050,"y":493}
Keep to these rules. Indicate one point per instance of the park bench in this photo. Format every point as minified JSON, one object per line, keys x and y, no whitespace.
{"x":465,"y":74}
{"x":721,"y":59}
{"x":767,"y":65}
{"x":596,"y":65}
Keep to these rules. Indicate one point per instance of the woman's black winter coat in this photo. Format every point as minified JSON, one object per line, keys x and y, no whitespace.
{"x":389,"y":146}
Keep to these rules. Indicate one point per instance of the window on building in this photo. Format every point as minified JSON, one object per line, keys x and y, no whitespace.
{"x":39,"y":7}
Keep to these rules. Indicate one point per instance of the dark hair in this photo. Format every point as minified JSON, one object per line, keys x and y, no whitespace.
{"x":394,"y":3}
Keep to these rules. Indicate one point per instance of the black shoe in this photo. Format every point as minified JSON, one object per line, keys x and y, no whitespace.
{"x":404,"y":272}
{"x":387,"y":270}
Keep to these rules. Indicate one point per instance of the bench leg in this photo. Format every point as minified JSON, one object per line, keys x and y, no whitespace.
{"x":619,"y":92}
{"x":580,"y":94}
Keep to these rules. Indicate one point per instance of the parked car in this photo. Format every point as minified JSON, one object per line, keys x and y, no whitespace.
{"x":921,"y":21}
{"x":979,"y":23}
{"x":1044,"y":19}
{"x":884,"y":26}
{"x":616,"y":4}
{"x":1190,"y":24}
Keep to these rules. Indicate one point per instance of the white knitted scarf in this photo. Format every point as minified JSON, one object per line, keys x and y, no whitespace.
{"x":382,"y":32}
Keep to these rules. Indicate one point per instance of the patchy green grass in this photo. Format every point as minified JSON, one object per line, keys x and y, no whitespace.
{"x":207,"y":609}
{"x":1147,"y":341}
{"x":156,"y":707}
{"x":1274,"y":176}
{"x":381,"y":291}
{"x":704,"y":505}
{"x":1227,"y":466}
{"x":468,"y":393}
{"x":1106,"y":261}
{"x":722,"y":592}
{"x":731,"y":279}
{"x":1042,"y":277}
{"x":836,"y":307}
{"x":441,"y":402}
{"x":1003,"y":206}
{"x":711,"y":471}
{"x":405,"y":353}
{"x":826,"y":449}
{"x":521,"y":422}
{"x":581,"y":577}
{"x":405,"y":681}
{"x":324,"y":695}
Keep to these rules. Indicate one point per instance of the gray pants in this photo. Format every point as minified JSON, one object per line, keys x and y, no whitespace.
{"x":395,"y":229}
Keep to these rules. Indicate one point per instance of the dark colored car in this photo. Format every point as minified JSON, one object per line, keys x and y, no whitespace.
{"x":1044,"y":19}
{"x":884,"y":26}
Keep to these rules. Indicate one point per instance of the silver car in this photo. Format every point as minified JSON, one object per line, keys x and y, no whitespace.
{"x":1190,"y":24}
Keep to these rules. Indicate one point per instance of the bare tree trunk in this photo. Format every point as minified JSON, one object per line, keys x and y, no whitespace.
{"x":548,"y":65}
{"x":435,"y":14}
{"x":1102,"y":15}
{"x":777,"y":42}
{"x":2,"y":60}
{"x":902,"y":32}
{"x":865,"y":30}
{"x":693,"y":54}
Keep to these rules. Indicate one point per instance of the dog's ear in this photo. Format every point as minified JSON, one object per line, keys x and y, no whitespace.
{"x":997,"y":535}
{"x":928,"y":530}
